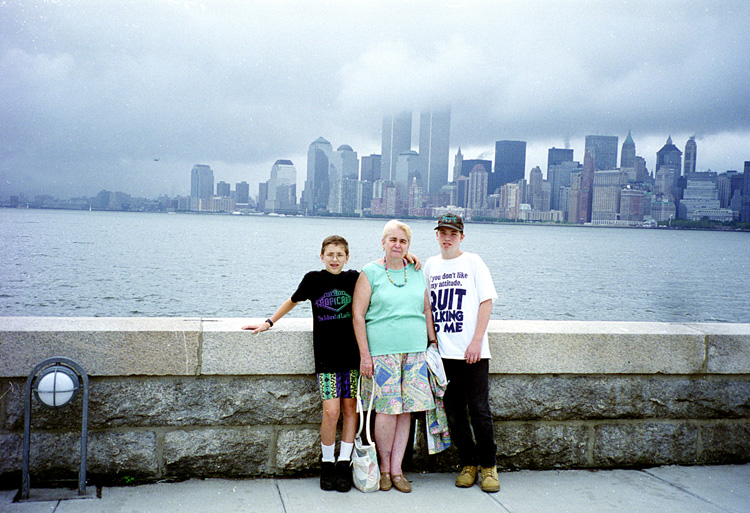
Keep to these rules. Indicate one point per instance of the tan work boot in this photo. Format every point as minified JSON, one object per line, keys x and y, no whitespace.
{"x":490,"y":482}
{"x":467,"y":477}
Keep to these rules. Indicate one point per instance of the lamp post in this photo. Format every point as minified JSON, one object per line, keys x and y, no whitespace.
{"x":55,"y":382}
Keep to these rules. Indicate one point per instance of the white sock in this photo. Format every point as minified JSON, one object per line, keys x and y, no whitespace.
{"x":345,"y":453}
{"x":329,"y":452}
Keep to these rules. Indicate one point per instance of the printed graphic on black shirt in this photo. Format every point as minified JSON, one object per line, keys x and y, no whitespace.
{"x":335,"y":301}
{"x":446,"y":298}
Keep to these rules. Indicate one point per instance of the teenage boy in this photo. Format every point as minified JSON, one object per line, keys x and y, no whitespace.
{"x":336,"y":355}
{"x":461,"y":293}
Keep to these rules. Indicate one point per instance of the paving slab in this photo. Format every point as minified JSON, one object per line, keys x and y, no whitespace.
{"x":602,"y":491}
{"x":430,"y":493}
{"x":725,"y":485}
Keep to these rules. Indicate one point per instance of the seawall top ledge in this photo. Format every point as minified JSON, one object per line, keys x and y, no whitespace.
{"x":192,"y":346}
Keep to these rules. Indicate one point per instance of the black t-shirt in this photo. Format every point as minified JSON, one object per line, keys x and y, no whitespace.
{"x":334,"y":344}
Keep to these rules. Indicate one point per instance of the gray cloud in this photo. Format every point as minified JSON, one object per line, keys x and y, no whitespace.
{"x":92,"y":92}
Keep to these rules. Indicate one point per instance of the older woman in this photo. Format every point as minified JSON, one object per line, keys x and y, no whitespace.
{"x":388,"y":312}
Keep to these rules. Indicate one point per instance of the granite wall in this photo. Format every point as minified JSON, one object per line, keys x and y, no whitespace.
{"x":177,"y":398}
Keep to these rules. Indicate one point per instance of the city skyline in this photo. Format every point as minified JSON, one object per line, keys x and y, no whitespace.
{"x":129,"y":97}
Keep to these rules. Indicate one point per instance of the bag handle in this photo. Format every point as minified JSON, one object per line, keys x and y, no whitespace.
{"x":361,"y":413}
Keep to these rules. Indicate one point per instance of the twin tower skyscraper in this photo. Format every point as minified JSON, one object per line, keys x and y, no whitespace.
{"x":333,"y":180}
{"x":401,"y":165}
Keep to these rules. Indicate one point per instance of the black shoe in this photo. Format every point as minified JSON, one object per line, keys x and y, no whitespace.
{"x":343,"y":476}
{"x":327,"y":475}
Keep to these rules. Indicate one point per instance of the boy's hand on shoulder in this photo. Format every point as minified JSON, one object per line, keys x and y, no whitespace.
{"x":413,"y":259}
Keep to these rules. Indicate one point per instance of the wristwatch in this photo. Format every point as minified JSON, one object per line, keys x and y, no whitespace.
{"x":270,"y":323}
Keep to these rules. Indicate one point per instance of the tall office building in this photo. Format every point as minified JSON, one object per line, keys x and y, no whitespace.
{"x":319,"y":156}
{"x":691,"y":152}
{"x":281,"y":195}
{"x":559,"y":178}
{"x":407,"y":170}
{"x":477,"y":196}
{"x":605,"y":198}
{"x":344,"y":165}
{"x":468,"y":165}
{"x":458,"y":162}
{"x":201,"y":182}
{"x":745,"y":206}
{"x":603,"y":149}
{"x":556,"y":156}
{"x":510,"y":164}
{"x":434,"y":142}
{"x":370,"y":168}
{"x":396,"y":138}
{"x":223,"y":190}
{"x":585,"y":197}
{"x":668,"y":169}
{"x":627,"y":154}
{"x":242,"y":189}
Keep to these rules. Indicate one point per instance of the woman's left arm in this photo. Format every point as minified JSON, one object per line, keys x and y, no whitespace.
{"x":360,"y":304}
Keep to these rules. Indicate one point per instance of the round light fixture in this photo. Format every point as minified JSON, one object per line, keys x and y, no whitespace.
{"x":56,"y":386}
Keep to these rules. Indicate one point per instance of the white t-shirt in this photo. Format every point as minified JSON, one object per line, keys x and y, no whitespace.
{"x":457,"y":287}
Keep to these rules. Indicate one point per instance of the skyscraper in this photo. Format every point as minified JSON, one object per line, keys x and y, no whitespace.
{"x":603,"y":149}
{"x":242,"y":190}
{"x":691,"y":152}
{"x":556,"y":156}
{"x":510,"y":164}
{"x":668,"y":168}
{"x":396,"y":138}
{"x":370,"y":168}
{"x":434,"y":142}
{"x":201,"y":182}
{"x":477,"y":196}
{"x":745,"y":206}
{"x":316,"y":186}
{"x":281,"y":195}
{"x":627,"y":154}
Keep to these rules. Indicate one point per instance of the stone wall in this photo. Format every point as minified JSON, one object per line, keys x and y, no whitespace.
{"x":176,"y":398}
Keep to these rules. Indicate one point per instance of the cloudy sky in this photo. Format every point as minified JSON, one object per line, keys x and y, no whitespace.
{"x":127,"y":95}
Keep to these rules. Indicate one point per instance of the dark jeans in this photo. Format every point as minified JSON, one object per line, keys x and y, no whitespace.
{"x":469,"y":387}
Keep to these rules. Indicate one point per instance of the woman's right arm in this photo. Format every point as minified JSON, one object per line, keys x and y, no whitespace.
{"x":360,"y":304}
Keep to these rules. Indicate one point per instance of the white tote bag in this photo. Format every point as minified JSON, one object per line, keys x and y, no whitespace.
{"x":365,"y":469}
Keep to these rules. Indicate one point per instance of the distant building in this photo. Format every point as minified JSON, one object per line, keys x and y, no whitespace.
{"x":605,"y":204}
{"x":408,"y":168}
{"x":691,"y":153}
{"x":223,"y":190}
{"x":669,"y":165}
{"x":632,"y":204}
{"x":468,"y":165}
{"x":627,"y":154}
{"x":559,"y":178}
{"x":370,"y":168}
{"x":745,"y":208}
{"x":603,"y":150}
{"x":242,"y":190}
{"x":201,"y":182}
{"x":319,"y":156}
{"x":396,"y":138}
{"x":281,"y":188}
{"x":434,"y":146}
{"x":556,"y":156}
{"x":344,"y":165}
{"x":510,"y":164}
{"x":477,"y":197}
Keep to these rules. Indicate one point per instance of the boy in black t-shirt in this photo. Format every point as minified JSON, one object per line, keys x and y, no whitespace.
{"x":336,"y":355}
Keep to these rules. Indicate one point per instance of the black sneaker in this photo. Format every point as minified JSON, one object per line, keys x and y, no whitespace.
{"x":327,"y":475}
{"x":343,"y":476}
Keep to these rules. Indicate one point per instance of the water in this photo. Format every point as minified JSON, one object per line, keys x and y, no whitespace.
{"x":79,"y":263}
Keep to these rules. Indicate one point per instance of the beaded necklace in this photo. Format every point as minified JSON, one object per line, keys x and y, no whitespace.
{"x":385,"y":263}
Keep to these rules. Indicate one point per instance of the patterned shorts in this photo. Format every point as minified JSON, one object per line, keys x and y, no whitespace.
{"x":333,"y":385}
{"x":400,"y":383}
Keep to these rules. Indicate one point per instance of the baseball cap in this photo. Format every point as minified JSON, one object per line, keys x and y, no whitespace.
{"x":451,"y":221}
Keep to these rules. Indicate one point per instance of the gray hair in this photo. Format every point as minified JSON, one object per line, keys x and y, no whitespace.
{"x":395,"y":224}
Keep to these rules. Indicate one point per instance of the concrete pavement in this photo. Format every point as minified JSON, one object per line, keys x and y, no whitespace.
{"x":707,"y":489}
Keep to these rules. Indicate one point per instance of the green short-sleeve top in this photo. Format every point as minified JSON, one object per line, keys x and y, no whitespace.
{"x":395,"y":319}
